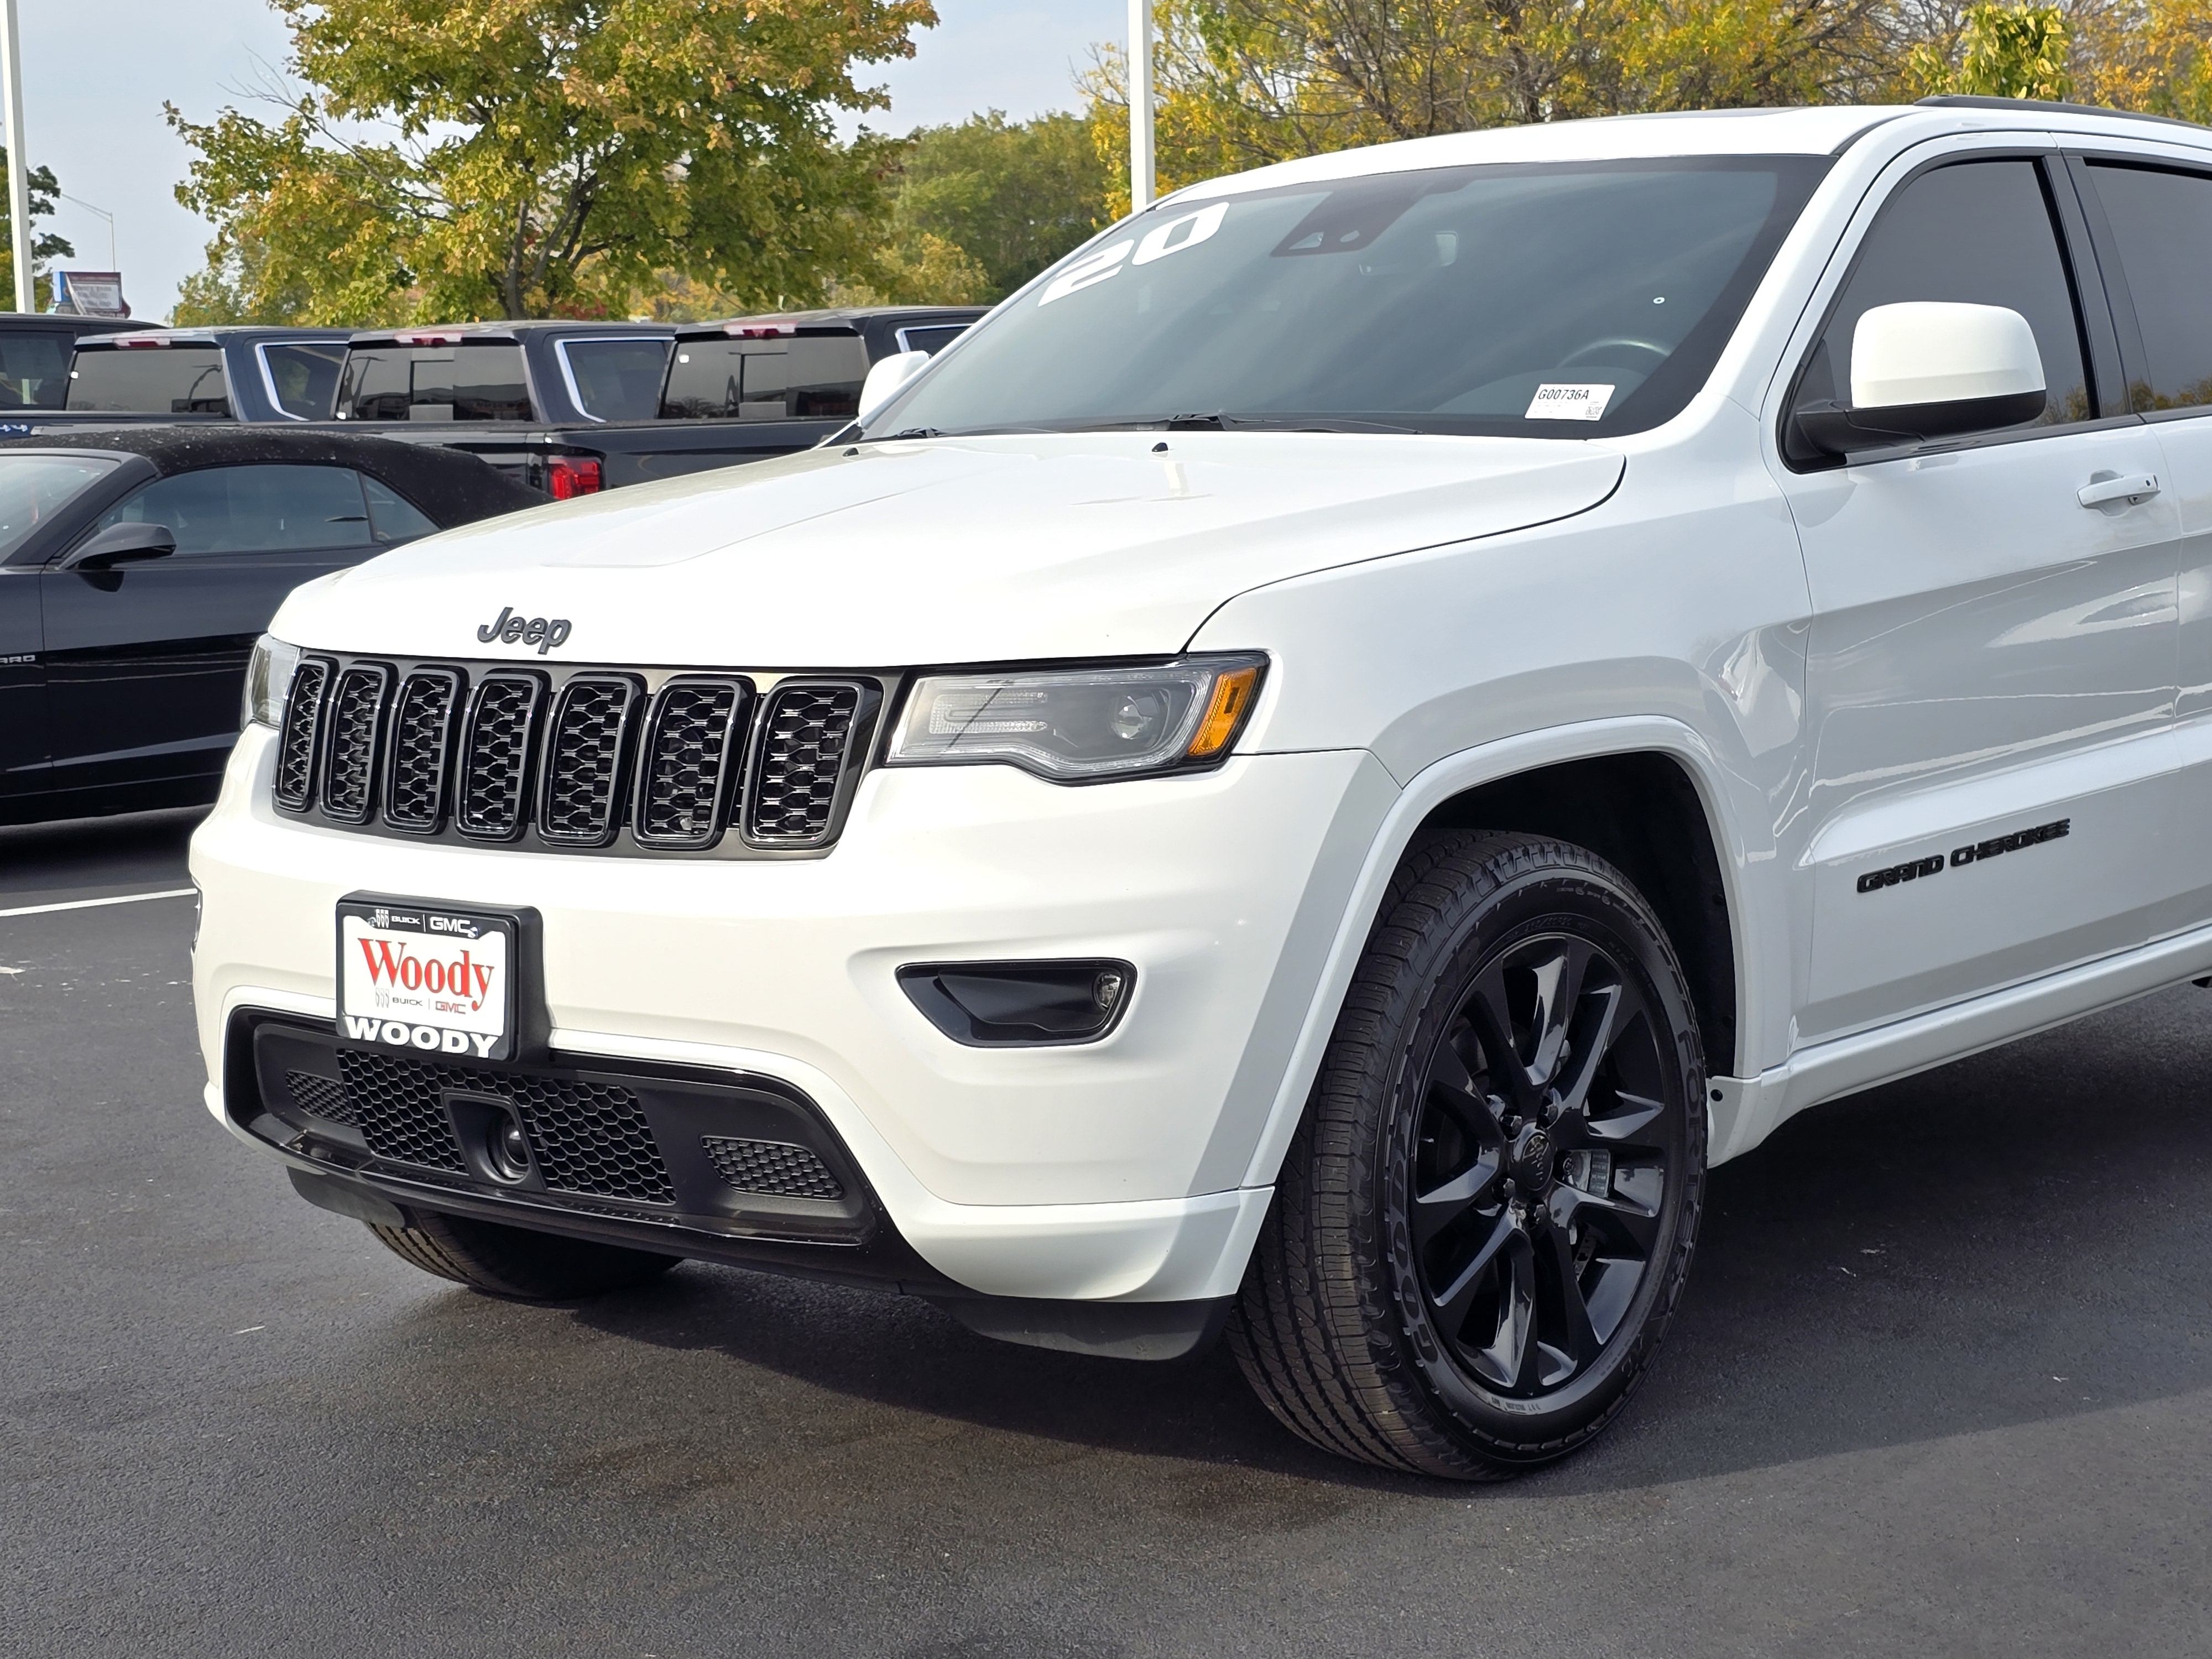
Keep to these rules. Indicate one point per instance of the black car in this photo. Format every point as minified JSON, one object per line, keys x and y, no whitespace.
{"x":137,"y":566}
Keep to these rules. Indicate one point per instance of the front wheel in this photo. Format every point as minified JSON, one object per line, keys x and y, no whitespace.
{"x":1482,"y":1229}
{"x":516,"y":1263}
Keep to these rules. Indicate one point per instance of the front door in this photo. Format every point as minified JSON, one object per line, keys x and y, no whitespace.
{"x":145,"y":663}
{"x":1991,"y":672}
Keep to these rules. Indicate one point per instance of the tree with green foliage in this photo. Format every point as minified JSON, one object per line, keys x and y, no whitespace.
{"x":45,"y":247}
{"x":545,"y":156}
{"x":1013,"y":196}
{"x":1998,"y":52}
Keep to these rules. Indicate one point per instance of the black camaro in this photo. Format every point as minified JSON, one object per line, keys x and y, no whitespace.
{"x":136,"y":568}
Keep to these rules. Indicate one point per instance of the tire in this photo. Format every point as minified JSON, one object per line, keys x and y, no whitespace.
{"x":1464,"y":1163}
{"x":516,"y":1263}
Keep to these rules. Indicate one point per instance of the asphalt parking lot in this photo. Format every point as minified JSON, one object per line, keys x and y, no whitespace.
{"x":1943,"y":1385}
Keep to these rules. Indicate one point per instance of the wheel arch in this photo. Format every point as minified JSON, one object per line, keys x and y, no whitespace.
{"x":1573,"y":782}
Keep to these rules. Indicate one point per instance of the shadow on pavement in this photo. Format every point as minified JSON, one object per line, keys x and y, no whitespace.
{"x":84,"y":857}
{"x":2012,"y":1238}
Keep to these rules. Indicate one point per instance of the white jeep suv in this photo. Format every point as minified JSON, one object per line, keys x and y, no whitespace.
{"x":1309,"y":776}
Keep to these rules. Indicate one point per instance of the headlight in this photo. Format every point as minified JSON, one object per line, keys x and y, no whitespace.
{"x":1083,"y":723}
{"x":267,"y":682}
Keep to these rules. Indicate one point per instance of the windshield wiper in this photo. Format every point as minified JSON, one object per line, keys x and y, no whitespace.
{"x":1222,"y":421}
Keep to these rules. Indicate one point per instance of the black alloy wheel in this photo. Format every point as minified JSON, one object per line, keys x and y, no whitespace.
{"x":1485,"y":1222}
{"x":1540,"y":1167}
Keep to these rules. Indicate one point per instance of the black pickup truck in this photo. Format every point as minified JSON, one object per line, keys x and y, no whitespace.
{"x":236,"y":373}
{"x":35,"y":356}
{"x":577,"y":407}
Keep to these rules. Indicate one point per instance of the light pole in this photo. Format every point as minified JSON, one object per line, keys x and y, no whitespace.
{"x":19,"y":175}
{"x":1140,"y":103}
{"x":103,"y":213}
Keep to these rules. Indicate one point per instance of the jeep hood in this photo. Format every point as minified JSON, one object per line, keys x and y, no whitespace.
{"x":944,"y":551}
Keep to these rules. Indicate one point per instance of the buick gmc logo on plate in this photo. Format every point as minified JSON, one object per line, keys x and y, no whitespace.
{"x":510,"y":629}
{"x":434,"y":981}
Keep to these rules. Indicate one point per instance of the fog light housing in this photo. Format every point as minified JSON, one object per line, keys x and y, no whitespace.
{"x":1021,"y":1004}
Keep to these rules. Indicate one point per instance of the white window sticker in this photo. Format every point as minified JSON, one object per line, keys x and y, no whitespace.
{"x":1561,"y":402}
{"x":1176,"y":235}
{"x":1092,"y":268}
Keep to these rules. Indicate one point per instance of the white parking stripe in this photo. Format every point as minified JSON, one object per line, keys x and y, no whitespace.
{"x":89,"y":904}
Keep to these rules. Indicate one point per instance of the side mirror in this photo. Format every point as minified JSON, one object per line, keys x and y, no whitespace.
{"x":886,"y":378}
{"x":1928,"y":369}
{"x":120,"y":543}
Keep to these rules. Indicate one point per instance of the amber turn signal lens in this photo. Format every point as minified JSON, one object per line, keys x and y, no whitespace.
{"x":1233,"y":696}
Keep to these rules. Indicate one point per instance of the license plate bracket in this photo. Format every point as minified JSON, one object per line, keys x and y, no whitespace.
{"x":450,"y":982}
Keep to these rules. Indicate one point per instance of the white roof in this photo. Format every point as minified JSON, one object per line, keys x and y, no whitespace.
{"x":1817,"y":131}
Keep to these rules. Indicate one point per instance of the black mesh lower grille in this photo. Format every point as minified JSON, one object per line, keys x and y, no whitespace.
{"x":802,"y":755}
{"x":496,"y":765}
{"x":685,"y":760}
{"x":322,"y":1095}
{"x":295,"y":747}
{"x":423,"y":719}
{"x":587,"y":1138}
{"x":772,"y":1167}
{"x":584,"y":760}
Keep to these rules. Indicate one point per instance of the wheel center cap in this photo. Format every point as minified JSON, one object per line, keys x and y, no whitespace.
{"x":1532,"y":1161}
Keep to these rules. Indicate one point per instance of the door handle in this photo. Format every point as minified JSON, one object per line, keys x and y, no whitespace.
{"x":2134,"y":490}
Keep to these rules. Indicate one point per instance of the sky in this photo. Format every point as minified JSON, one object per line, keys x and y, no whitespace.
{"x":96,"y":77}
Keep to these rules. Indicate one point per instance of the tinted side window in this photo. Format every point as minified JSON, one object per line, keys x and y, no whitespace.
{"x":804,"y":378}
{"x":149,"y":380}
{"x":474,"y":382}
{"x":253,"y":510}
{"x":2163,"y":224}
{"x":303,"y":377}
{"x":33,"y":371}
{"x":932,"y":338}
{"x":1979,"y":233}
{"x":617,"y":379}
{"x":391,"y":516}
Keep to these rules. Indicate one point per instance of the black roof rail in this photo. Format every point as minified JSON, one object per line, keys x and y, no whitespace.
{"x":1962,"y":101}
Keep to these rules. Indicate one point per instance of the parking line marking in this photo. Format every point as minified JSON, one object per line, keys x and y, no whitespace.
{"x":91,"y":904}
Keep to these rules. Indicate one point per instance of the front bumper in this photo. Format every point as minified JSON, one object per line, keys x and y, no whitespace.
{"x":1107,"y":1171}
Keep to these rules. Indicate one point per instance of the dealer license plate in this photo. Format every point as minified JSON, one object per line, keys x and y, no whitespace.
{"x":434,"y":981}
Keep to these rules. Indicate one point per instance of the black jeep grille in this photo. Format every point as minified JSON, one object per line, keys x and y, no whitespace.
{"x":423,"y":722}
{"x":496,"y":755}
{"x":587,"y":758}
{"x":584,"y":760}
{"x":356,"y":720}
{"x":802,"y":753}
{"x":587,"y":1138}
{"x":685,"y":762}
{"x":296,"y":745}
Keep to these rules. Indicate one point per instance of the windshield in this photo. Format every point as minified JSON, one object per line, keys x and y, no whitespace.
{"x":33,"y":488}
{"x":34,"y":370}
{"x":150,"y":379}
{"x":1576,"y":299}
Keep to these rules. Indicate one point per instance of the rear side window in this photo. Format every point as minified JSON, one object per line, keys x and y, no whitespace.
{"x":253,"y":510}
{"x":33,"y":371}
{"x":2163,"y":224}
{"x":932,"y":339}
{"x":477,"y":380}
{"x":391,"y":516}
{"x":616,"y":379}
{"x":303,"y":376}
{"x":793,"y":378}
{"x":151,"y":379}
{"x":1979,"y":232}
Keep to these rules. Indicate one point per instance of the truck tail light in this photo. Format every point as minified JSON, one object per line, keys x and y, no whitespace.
{"x":568,"y":476}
